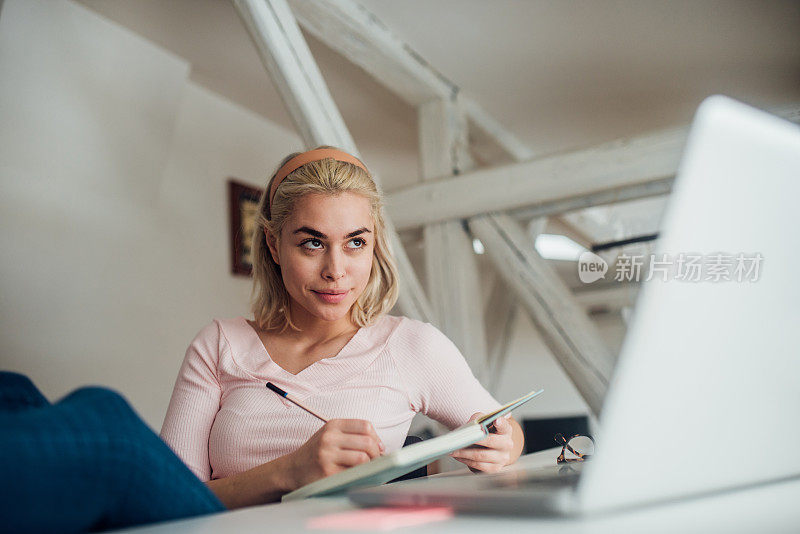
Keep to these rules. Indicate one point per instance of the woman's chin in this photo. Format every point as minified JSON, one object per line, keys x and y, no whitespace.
{"x":331,"y":312}
{"x":313,"y":306}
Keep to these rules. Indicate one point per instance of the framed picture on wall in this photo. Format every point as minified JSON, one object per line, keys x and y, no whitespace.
{"x":243,"y":201}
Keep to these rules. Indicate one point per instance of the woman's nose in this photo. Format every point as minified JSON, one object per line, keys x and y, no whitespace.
{"x":334,"y":266}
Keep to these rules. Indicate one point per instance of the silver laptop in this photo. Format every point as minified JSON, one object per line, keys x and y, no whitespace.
{"x":707,"y":386}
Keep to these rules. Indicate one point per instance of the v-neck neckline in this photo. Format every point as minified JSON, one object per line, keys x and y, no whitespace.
{"x":310,"y":370}
{"x":251,"y":357}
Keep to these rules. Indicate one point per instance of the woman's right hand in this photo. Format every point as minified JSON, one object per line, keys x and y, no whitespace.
{"x":340,"y":444}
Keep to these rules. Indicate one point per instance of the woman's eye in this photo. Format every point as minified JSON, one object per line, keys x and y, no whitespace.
{"x":357,"y":243}
{"x":312,"y":244}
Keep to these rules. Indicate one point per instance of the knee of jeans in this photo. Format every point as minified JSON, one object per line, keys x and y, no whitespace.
{"x":18,"y":392}
{"x":12,"y":379}
{"x":18,"y":384}
{"x":106,"y":403}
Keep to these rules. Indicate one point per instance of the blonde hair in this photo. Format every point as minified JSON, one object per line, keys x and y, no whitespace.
{"x":270,"y":303}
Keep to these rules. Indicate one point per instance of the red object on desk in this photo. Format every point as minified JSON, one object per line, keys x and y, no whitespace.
{"x":381,"y":518}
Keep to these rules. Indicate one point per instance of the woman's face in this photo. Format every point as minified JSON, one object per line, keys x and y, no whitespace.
{"x":325,"y":254}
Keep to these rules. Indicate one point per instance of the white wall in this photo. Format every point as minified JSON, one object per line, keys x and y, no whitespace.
{"x":113,"y":206}
{"x":113,"y":203}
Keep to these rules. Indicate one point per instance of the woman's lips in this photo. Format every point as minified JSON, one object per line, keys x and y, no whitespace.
{"x":331,"y":297}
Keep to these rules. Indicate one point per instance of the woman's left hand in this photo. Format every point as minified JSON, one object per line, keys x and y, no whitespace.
{"x":491,"y":453}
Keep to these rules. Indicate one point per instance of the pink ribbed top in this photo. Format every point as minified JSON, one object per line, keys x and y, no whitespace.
{"x":222,"y":420}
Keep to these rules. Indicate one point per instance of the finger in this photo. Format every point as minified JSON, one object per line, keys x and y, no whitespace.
{"x":481,"y":466}
{"x":475,"y":417}
{"x":502,"y":425}
{"x":351,"y":426}
{"x":350,"y":458}
{"x":482,"y":455}
{"x":359,"y":426}
{"x":496,"y":441}
{"x":358,"y":442}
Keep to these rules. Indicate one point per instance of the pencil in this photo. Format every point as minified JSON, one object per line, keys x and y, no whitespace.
{"x":286,"y":396}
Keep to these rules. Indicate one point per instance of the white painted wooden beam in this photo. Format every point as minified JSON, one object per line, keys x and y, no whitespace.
{"x":572,"y":177}
{"x":613,"y":195}
{"x":443,"y":144}
{"x":566,"y":329}
{"x":294,"y":72}
{"x":288,"y":60}
{"x":357,"y":34}
{"x":451,"y":265}
{"x":625,"y":169}
{"x":360,"y":36}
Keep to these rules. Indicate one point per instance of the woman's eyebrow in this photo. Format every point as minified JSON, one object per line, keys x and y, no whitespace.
{"x":311,"y":231}
{"x":358,"y":232}
{"x":317,"y":233}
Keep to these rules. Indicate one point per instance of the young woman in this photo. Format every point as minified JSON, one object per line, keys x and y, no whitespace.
{"x":323,"y":282}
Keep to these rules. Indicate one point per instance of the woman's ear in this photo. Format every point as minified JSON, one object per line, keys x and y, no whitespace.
{"x":272,"y":243}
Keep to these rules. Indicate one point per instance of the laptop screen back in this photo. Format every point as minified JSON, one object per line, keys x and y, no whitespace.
{"x":708,"y":382}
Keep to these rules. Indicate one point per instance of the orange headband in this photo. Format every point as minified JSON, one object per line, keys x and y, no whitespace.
{"x":307,"y":157}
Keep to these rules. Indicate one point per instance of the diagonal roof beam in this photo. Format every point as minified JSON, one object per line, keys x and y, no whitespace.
{"x":361,"y":37}
{"x":294,"y":72}
{"x":566,"y":329}
{"x":350,"y":29}
{"x":292,"y":68}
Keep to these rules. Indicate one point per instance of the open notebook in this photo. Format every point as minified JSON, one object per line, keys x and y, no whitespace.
{"x":402,"y":461}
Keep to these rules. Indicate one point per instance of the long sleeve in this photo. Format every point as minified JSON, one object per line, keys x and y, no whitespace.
{"x":195,"y":402}
{"x":439,"y":381}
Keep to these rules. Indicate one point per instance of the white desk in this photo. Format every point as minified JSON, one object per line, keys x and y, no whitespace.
{"x":764,"y":509}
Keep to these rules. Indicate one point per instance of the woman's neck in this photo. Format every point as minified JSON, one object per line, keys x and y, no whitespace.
{"x":313,"y":330}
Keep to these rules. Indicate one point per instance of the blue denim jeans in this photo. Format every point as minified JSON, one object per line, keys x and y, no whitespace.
{"x":87,"y":463}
